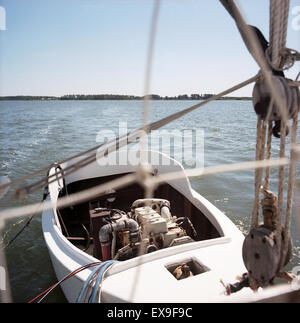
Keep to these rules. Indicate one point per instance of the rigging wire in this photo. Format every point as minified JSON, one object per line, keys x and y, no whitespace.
{"x":148,"y":73}
{"x":18,"y":233}
{"x":226,"y":168}
{"x":84,"y":195}
{"x":147,"y":183}
{"x":70,"y":200}
{"x":6,"y":245}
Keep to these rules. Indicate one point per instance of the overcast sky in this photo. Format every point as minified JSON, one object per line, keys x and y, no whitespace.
{"x":57,"y":47}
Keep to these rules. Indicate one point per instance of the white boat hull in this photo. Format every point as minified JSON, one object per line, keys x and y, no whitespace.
{"x":146,"y":279}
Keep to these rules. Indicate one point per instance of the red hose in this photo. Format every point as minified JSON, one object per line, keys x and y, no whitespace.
{"x":65,"y":278}
{"x":106,"y":253}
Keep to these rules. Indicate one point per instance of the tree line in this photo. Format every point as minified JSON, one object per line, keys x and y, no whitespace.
{"x":119,"y":97}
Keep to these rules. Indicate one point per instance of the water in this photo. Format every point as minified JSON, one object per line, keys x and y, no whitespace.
{"x":34,"y":134}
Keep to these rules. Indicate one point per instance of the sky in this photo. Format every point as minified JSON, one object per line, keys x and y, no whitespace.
{"x":58,"y":47}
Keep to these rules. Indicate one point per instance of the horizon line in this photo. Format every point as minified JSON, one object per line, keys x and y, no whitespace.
{"x":193,"y":96}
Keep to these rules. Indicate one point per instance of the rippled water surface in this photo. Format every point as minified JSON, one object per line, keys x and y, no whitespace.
{"x":34,"y":134}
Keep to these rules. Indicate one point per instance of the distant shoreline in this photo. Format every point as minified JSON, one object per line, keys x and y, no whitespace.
{"x":116,"y":97}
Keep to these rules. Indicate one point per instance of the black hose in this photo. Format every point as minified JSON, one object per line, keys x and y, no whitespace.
{"x":113,"y":212}
{"x":189,"y":222}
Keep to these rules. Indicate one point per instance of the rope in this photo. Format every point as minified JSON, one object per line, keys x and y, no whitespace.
{"x":285,"y":5}
{"x":67,"y":201}
{"x":291,"y":179}
{"x":268,"y":154}
{"x":227,"y":168}
{"x":294,"y":84}
{"x":281,"y":58}
{"x":279,"y":13}
{"x":260,"y":148}
{"x":281,"y":172}
{"x":285,"y":19}
{"x":275,"y":35}
{"x":150,"y":63}
{"x":144,"y":169}
{"x":85,"y":195}
{"x":288,"y":58}
{"x":255,"y":211}
{"x":291,"y":186}
{"x":278,"y":56}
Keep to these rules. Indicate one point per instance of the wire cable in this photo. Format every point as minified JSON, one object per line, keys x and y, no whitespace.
{"x":86,"y":284}
{"x":51,"y":288}
{"x":99,"y":278}
{"x":93,"y":280}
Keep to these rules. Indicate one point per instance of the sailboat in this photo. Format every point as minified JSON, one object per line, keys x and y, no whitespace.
{"x":141,"y":234}
{"x":177,"y":227}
